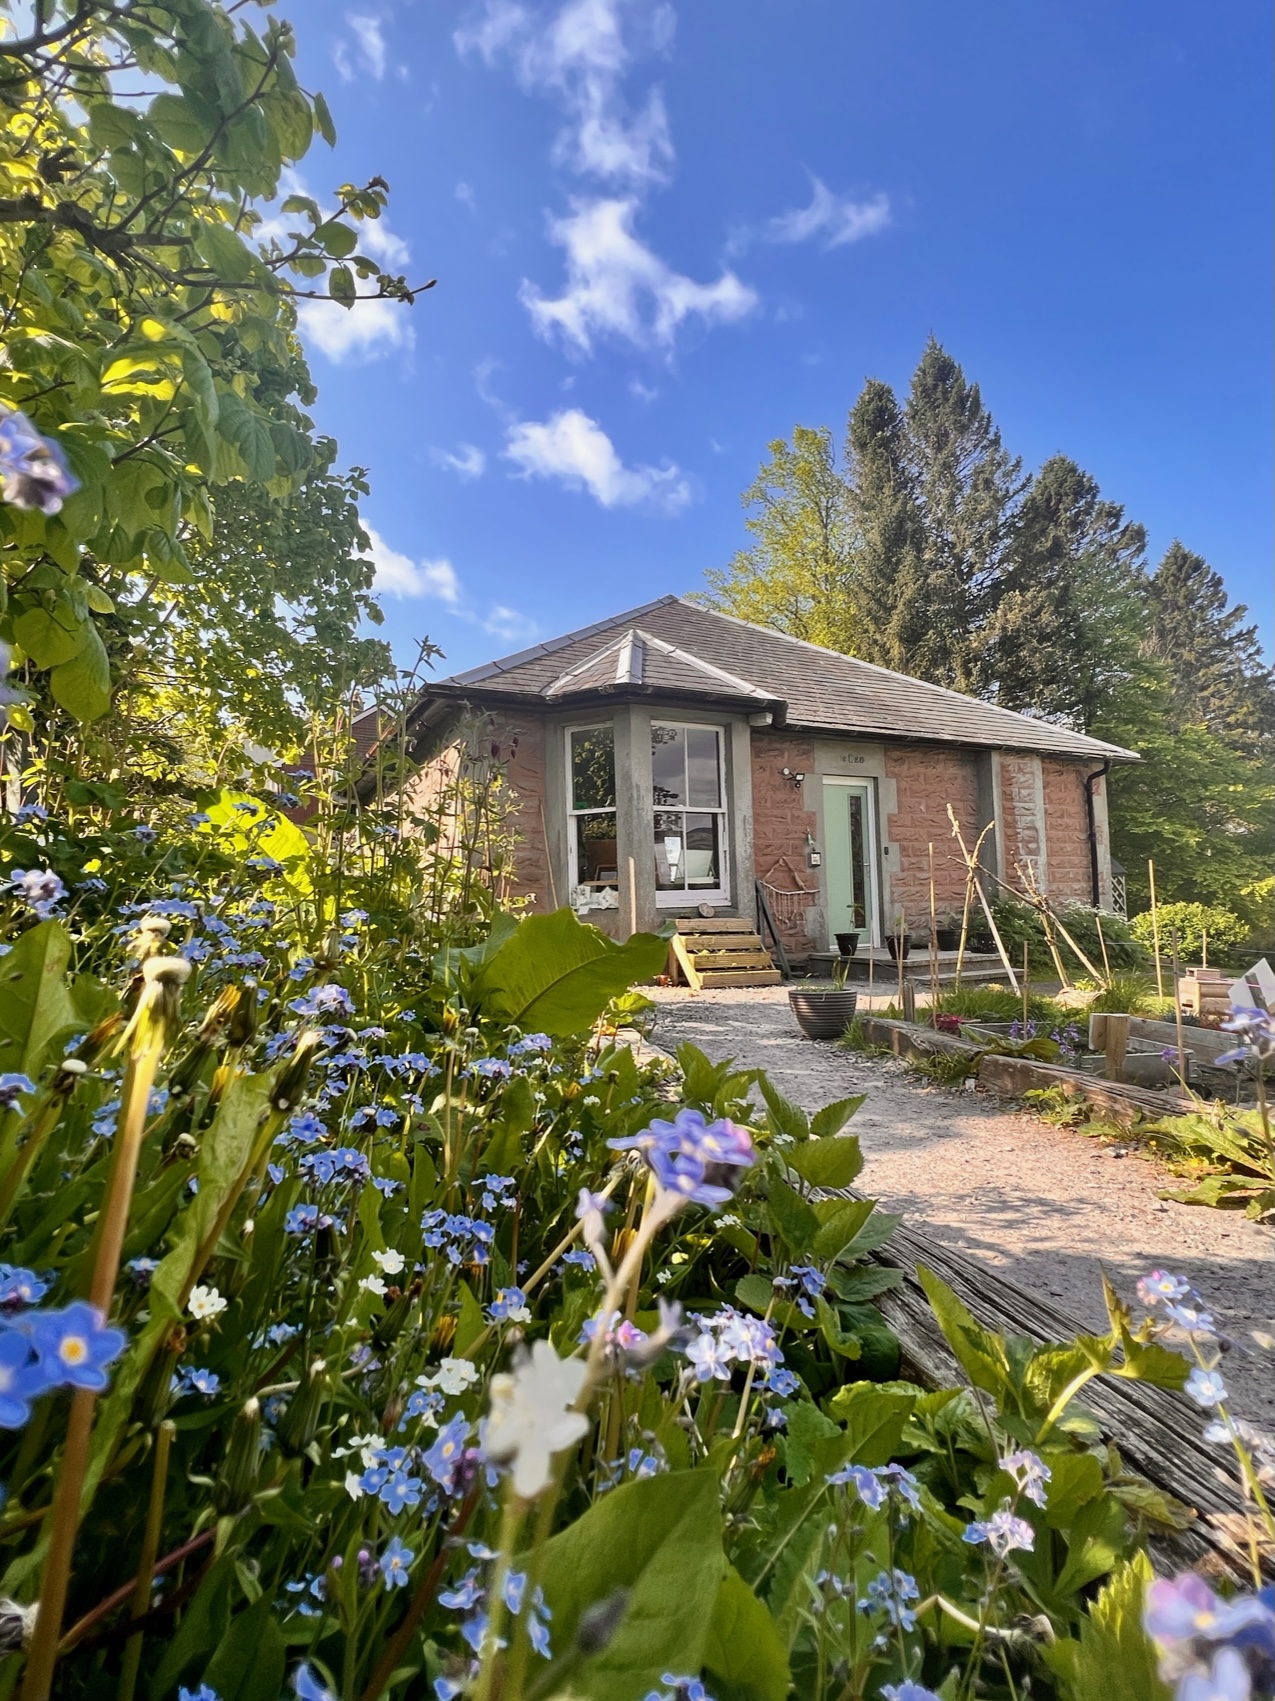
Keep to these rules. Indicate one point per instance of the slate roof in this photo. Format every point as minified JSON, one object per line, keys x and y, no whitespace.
{"x":676,"y":648}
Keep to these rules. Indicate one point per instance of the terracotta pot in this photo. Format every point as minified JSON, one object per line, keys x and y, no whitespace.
{"x":847,"y":943}
{"x":823,"y":1015}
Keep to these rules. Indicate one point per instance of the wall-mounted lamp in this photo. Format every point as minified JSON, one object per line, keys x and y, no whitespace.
{"x":793,"y":779}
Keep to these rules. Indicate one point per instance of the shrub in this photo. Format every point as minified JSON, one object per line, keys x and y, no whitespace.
{"x":1193,"y":921}
{"x":1020,"y":924}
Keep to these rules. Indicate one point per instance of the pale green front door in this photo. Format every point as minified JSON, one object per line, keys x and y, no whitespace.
{"x":848,"y":860}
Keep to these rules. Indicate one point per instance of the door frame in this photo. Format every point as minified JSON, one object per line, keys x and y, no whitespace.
{"x":868,"y":786}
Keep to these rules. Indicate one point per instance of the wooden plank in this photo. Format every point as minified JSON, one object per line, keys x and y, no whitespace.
{"x":907,"y":1039}
{"x":740,"y":977}
{"x":1157,"y":1433}
{"x":685,"y":963}
{"x":1014,"y":1076}
{"x":714,"y":924}
{"x":705,"y":960}
{"x":721,"y":941}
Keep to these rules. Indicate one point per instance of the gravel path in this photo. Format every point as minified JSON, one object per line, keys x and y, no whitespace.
{"x":1048,"y":1207}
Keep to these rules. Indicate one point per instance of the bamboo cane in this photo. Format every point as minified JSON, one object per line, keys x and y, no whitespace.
{"x":1155,"y":929}
{"x":934,"y":938}
{"x":1177,"y":1009}
{"x":971,"y":865}
{"x":898,"y":950}
{"x":1102,"y":941}
{"x":1026,"y":983}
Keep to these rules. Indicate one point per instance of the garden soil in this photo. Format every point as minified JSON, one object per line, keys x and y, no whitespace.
{"x":1047,"y":1207}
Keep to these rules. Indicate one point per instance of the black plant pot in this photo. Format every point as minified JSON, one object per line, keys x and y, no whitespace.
{"x":982,"y":944}
{"x":823,"y":1015}
{"x":893,"y":944}
{"x":947,"y":938}
{"x":847,"y":943}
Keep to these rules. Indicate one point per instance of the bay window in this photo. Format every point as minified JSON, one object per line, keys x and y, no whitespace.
{"x":591,"y":845}
{"x":688,"y":812}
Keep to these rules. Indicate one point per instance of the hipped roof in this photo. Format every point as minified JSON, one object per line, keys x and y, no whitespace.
{"x":678,"y":649}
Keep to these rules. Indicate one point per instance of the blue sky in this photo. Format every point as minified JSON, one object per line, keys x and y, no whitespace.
{"x":666,"y":234}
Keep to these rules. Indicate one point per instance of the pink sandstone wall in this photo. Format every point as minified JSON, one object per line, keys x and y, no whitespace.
{"x":1067,"y":830}
{"x":780,"y":825}
{"x":926,"y":781}
{"x":1022,"y":831}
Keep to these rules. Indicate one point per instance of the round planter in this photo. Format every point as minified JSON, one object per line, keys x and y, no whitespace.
{"x":847,"y":943}
{"x":892,"y":946}
{"x":947,"y":938}
{"x":823,"y":1015}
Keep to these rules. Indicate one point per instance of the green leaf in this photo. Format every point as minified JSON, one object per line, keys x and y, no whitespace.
{"x":249,"y":1662}
{"x":1114,"y":1655}
{"x":224,"y":252}
{"x":874,"y":1420}
{"x":341,"y":285}
{"x":470,"y":1321}
{"x":35,"y":1005}
{"x":49,"y":636}
{"x":807,"y":1427}
{"x":202,"y":1626}
{"x":185,"y":123}
{"x":755,"y":1292}
{"x":833,"y":1117}
{"x":979,"y":1352}
{"x":785,"y":1117}
{"x":557,"y":975}
{"x":1097,"y":1540}
{"x":83,"y":685}
{"x":832,"y":1162}
{"x":793,"y":1219}
{"x":112,"y":126}
{"x":840,"y":1221}
{"x":249,"y":432}
{"x":843,"y":1344}
{"x":661,"y":1540}
{"x":1075,"y":1479}
{"x":323,"y":120}
{"x":337,"y":239}
{"x":744,"y":1649}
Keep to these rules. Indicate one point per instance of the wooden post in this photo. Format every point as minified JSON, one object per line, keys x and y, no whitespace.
{"x":1106,"y":961}
{"x":1155,"y":929}
{"x":909,"y":1001}
{"x":1026,"y":983}
{"x":1115,"y":1044}
{"x":898,"y":949}
{"x":1177,"y":1008}
{"x":1204,"y":947}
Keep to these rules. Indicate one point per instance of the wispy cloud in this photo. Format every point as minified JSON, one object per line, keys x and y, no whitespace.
{"x":575,"y":450}
{"x":837,"y":219}
{"x":367,"y":53}
{"x":465,"y":195}
{"x":619,"y":287}
{"x":508,"y":625}
{"x":363,"y":332}
{"x":580,"y":54}
{"x":467,"y":462}
{"x":397,"y":575}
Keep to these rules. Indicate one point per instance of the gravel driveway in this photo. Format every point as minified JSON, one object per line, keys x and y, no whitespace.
{"x":1048,"y":1207}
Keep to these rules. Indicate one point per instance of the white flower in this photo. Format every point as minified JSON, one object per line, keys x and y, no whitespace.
{"x":530,"y":1420}
{"x":452,"y":1377}
{"x":205,"y":1302}
{"x":390,"y":1263}
{"x":354,"y":1485}
{"x":373,"y":1284}
{"x":369,"y":1447}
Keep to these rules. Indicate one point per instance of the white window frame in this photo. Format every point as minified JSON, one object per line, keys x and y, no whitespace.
{"x":689,"y":897}
{"x":573,"y":860}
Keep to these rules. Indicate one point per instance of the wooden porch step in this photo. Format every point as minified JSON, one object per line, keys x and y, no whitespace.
{"x":740,"y":977}
{"x":714,"y":924}
{"x":749,"y":959}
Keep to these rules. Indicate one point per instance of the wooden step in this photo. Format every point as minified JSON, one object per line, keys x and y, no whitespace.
{"x":740,"y":977}
{"x":714,"y":924}
{"x":749,"y":959}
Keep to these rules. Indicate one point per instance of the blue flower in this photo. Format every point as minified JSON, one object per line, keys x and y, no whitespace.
{"x":1206,"y":1387}
{"x":694,"y":1158}
{"x":144,"y":835}
{"x":20,"y":1287}
{"x":12,"y":1087}
{"x":515,"y":1587}
{"x":1256,"y":1031}
{"x":327,"y":1000}
{"x":1030,"y":1474}
{"x":491,"y":1069}
{"x":445,"y":1457}
{"x":306,"y":1127}
{"x":580,"y":1258}
{"x":74,"y":1346}
{"x":508,"y":1303}
{"x":465,"y":1596}
{"x":192,"y":1381}
{"x":1002,"y":1532}
{"x":401,"y":1490}
{"x":866,"y":1483}
{"x":39,"y":887}
{"x":141,"y":1270}
{"x":307,"y":1686}
{"x":908,"y":1690}
{"x":386,"y":1185}
{"x":22,"y":1378}
{"x":205,"y":1692}
{"x":33,"y":468}
{"x":395,"y":1564}
{"x":1227,"y":1680}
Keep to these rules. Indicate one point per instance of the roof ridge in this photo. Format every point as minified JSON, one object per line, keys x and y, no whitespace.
{"x":889,"y":672}
{"x":503,"y":664}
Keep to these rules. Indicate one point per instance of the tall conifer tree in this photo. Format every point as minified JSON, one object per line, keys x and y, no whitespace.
{"x":967,"y":485}
{"x":888,"y":592}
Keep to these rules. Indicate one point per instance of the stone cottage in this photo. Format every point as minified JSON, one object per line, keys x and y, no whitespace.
{"x":669,"y":759}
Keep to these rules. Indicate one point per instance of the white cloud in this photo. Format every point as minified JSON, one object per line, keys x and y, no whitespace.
{"x":465,"y":195}
{"x":397,"y":575}
{"x":507,"y":624}
{"x":468,"y":461}
{"x":616,"y":285}
{"x":580,"y":54}
{"x":377,"y":239}
{"x":573,"y":448}
{"x":836,"y":218}
{"x":369,"y":50}
{"x":362,"y":332}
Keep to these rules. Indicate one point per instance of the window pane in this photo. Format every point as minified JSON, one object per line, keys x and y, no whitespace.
{"x":703,"y":768}
{"x":593,"y":768}
{"x":670,"y":852}
{"x":595,"y":848}
{"x":858,"y":860}
{"x":703,"y":851}
{"x":668,"y":766}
